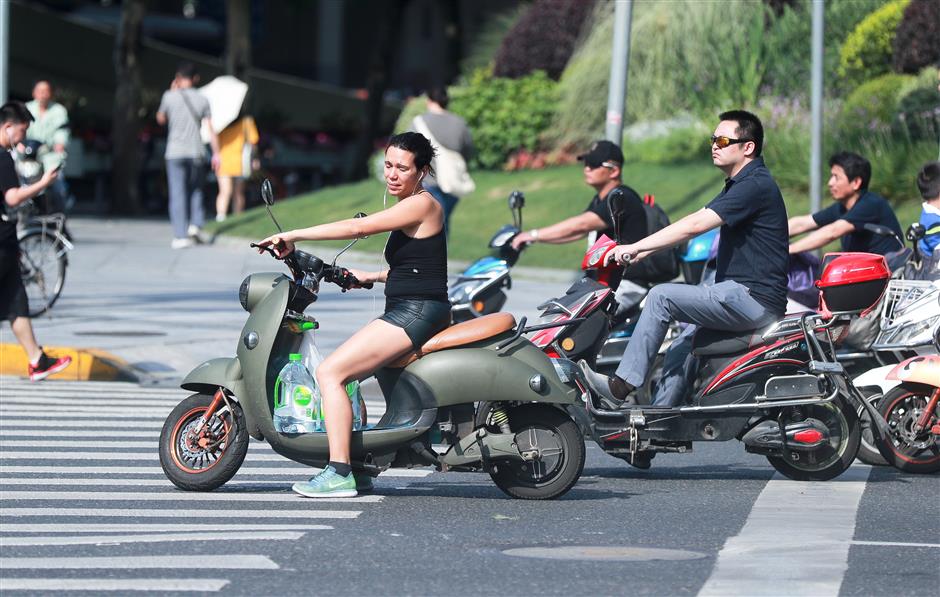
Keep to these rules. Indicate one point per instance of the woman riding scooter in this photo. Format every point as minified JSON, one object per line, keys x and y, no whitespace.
{"x":416,"y":305}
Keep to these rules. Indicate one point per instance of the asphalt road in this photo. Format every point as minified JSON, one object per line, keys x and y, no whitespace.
{"x":85,"y":507}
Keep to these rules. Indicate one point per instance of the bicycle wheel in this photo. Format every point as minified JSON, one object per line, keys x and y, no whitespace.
{"x":42,"y":264}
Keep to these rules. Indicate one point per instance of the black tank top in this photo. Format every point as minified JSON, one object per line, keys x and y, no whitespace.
{"x":417,"y":266}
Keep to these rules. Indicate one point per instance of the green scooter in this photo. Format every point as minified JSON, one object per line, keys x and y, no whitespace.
{"x":531,"y":448}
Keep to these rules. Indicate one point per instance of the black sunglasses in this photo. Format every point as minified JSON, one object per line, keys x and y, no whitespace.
{"x":723,"y":141}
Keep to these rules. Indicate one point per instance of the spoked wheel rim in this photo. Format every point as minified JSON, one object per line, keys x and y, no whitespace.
{"x":548,"y":450}
{"x":908,"y":444}
{"x":826,"y":455}
{"x":197,"y":453}
{"x":42,"y":270}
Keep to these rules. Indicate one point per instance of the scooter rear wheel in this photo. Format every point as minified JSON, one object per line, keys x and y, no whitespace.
{"x":903,"y":448}
{"x":560,"y":460}
{"x":832,"y":459}
{"x":208,"y":460}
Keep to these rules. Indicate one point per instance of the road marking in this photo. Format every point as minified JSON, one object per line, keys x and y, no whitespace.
{"x":176,"y":496}
{"x":896,"y":544}
{"x":143,"y":456}
{"x":206,"y":562}
{"x":177,"y":513}
{"x":74,"y":410}
{"x":155,"y":470}
{"x":72,"y":402}
{"x":158,"y":538}
{"x":153,"y":527}
{"x":202,"y":585}
{"x":120,"y":432}
{"x":7,"y":422}
{"x":32,"y":414}
{"x":809,"y":526}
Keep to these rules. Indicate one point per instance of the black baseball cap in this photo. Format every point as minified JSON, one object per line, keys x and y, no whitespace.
{"x":600,"y":152}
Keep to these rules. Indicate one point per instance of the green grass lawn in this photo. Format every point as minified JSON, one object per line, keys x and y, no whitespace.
{"x":551,"y":194}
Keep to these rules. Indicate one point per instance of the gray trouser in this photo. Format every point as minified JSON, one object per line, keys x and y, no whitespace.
{"x":726,"y":306}
{"x":184,"y":179}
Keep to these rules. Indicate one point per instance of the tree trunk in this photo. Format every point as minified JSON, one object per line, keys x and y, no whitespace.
{"x":125,"y":122}
{"x":383,"y":53}
{"x":238,"y":38}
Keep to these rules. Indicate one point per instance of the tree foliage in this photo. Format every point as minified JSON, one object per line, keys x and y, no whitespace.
{"x":867,"y":51}
{"x":917,"y":39}
{"x":543,"y":38}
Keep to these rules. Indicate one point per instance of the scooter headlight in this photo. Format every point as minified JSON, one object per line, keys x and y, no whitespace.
{"x":243,"y":293}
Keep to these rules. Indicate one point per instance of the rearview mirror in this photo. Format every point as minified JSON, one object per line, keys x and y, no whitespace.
{"x":916,"y":232}
{"x":267,"y":192}
{"x":516,"y":200}
{"x":880,"y":230}
{"x":617,"y":204}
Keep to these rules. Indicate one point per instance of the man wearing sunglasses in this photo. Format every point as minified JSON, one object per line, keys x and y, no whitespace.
{"x":602,"y":164}
{"x":855,"y":206}
{"x":750,"y":288}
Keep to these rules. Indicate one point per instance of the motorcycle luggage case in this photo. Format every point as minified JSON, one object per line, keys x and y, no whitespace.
{"x":852,"y":281}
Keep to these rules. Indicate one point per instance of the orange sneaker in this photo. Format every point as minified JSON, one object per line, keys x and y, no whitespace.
{"x":47,"y":366}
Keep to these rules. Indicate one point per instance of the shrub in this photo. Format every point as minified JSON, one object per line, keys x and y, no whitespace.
{"x":504,"y":115}
{"x":919,"y":113}
{"x":543,"y":39}
{"x":874,"y":103}
{"x":679,"y":140}
{"x":867,"y":51}
{"x":917,"y":39}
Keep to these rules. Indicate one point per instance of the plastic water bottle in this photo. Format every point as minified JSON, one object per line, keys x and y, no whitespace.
{"x":358,"y":405}
{"x":297,"y":406}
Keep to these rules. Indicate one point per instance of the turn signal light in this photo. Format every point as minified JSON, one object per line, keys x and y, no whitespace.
{"x":807,"y":436}
{"x":478,"y":306}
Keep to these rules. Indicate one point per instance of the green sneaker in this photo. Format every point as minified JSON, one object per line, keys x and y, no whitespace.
{"x":328,"y":484}
{"x":363,"y":481}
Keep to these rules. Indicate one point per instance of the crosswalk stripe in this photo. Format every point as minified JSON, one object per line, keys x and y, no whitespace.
{"x":7,"y":422}
{"x":73,"y":410}
{"x":300,"y":469}
{"x":142,"y":456}
{"x":198,"y":585}
{"x":174,"y":496}
{"x":72,"y":403}
{"x":32,"y":414}
{"x":153,"y":528}
{"x":807,"y":525}
{"x":103,"y":442}
{"x":156,"y":538}
{"x":206,"y":562}
{"x":176,"y":513}
{"x":121,"y":432}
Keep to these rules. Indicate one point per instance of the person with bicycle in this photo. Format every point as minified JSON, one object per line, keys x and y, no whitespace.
{"x":14,"y":306}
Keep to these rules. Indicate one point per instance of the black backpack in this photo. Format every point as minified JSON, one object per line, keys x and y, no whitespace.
{"x":661,"y":266}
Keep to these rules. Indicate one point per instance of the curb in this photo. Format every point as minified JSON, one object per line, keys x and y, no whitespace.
{"x":88,"y":364}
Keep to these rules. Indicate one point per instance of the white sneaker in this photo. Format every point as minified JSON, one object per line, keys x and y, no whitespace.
{"x":196,"y":235}
{"x":219,"y":217}
{"x":181,"y":243}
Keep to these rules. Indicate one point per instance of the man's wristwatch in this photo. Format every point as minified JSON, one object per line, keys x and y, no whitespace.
{"x":534,"y":233}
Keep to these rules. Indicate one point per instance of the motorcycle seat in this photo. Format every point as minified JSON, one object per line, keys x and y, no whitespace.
{"x":466,"y":332}
{"x":711,"y":343}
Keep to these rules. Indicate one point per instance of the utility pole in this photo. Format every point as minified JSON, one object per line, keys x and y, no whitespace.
{"x":619,"y":65}
{"x":4,"y":50}
{"x":816,"y":97}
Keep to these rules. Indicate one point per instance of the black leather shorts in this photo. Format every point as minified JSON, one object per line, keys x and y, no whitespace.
{"x":420,"y":318}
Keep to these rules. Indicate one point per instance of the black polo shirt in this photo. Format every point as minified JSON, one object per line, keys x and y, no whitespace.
{"x":632,"y":222}
{"x":869,"y":209}
{"x":754,"y":246}
{"x":8,"y":180}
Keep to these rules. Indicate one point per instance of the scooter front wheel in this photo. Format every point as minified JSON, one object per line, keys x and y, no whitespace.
{"x":558,"y":448}
{"x":205,"y":460}
{"x":905,"y":447}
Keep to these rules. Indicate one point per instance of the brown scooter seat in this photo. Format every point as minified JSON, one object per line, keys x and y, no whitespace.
{"x":466,"y":332}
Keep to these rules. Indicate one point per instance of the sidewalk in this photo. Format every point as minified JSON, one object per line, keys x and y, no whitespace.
{"x":162,"y":311}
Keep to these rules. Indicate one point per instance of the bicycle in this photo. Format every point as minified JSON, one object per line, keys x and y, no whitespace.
{"x":43,"y":256}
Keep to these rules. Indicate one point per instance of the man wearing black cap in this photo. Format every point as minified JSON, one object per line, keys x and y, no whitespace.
{"x":602,"y":171}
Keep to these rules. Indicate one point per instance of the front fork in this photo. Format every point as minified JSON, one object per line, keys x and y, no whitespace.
{"x":924,"y":421}
{"x":218,"y":399}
